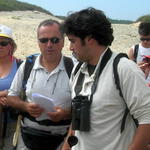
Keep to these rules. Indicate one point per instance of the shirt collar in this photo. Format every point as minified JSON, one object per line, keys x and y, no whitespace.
{"x":38,"y":65}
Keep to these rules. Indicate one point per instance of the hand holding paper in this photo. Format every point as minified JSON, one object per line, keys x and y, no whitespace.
{"x":44,"y":102}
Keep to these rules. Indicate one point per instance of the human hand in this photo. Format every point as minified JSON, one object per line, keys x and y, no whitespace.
{"x":59,"y":114}
{"x":145,"y":67}
{"x":3,"y":97}
{"x":34,"y":109}
{"x":3,"y":101}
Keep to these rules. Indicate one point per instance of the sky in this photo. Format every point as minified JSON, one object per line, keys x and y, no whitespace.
{"x":114,"y":9}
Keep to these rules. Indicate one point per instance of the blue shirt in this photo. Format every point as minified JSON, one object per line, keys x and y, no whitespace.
{"x":5,"y":82}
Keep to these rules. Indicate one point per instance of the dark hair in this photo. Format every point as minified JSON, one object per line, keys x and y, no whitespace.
{"x":89,"y":22}
{"x":50,"y":22}
{"x":144,"y":28}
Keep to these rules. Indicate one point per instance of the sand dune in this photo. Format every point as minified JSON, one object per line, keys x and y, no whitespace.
{"x":24,"y":25}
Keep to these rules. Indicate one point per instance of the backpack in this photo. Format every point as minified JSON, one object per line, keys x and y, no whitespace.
{"x":136,"y":49}
{"x":117,"y":82}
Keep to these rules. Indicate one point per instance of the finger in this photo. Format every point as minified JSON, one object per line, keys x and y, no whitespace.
{"x":3,"y":101}
{"x":36,"y":111}
{"x":35,"y":114}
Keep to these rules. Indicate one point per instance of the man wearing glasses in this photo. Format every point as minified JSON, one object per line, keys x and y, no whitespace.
{"x":141,"y":53}
{"x":49,"y":78}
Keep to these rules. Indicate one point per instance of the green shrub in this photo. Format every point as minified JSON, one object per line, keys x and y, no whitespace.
{"x":143,"y":18}
{"x":14,"y":5}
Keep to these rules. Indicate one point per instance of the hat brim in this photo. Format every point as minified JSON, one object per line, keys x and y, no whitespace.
{"x":4,"y":35}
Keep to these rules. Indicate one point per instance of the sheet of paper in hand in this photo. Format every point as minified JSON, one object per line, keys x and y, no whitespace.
{"x":44,"y":102}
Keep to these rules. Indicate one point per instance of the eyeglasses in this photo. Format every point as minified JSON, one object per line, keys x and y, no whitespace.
{"x":4,"y":43}
{"x":145,"y":39}
{"x":53,"y":40}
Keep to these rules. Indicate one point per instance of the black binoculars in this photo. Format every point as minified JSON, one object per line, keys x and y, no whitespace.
{"x":81,"y":113}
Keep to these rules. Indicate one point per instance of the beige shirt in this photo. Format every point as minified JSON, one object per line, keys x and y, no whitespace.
{"x":107,"y":108}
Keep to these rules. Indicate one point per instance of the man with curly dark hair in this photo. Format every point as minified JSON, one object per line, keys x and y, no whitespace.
{"x":97,"y":107}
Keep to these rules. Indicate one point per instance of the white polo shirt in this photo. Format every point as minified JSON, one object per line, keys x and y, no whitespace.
{"x":53,"y":84}
{"x":107,"y":108}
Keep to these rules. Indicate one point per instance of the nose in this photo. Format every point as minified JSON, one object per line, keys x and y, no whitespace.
{"x":49,"y":43}
{"x":71,"y":47}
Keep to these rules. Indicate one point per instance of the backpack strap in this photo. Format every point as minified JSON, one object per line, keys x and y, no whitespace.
{"x":77,"y":68}
{"x":29,"y":63}
{"x":136,"y":49}
{"x":19,"y":62}
{"x":27,"y":70}
{"x":68,"y":65}
{"x":117,"y":82}
{"x":115,"y":69}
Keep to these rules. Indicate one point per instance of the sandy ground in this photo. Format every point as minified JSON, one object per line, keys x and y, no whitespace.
{"x":24,"y":25}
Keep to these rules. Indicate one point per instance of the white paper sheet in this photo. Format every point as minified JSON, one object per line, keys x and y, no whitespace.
{"x":44,"y":102}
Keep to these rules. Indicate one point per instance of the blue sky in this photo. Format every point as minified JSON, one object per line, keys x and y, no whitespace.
{"x":114,"y":9}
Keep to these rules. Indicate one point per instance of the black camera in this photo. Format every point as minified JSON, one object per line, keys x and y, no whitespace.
{"x":81,"y":113}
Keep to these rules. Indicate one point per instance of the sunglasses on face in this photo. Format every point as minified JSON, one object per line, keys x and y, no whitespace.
{"x":53,"y":40}
{"x":4,"y":43}
{"x":145,"y":39}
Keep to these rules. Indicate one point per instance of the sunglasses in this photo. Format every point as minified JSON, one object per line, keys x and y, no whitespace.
{"x":53,"y":40}
{"x":145,"y":39}
{"x":4,"y":43}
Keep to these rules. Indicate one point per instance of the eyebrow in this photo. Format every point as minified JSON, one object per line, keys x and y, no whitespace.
{"x":70,"y":39}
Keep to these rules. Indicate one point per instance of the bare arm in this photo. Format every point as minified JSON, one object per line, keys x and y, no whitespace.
{"x":66,"y":145}
{"x":131,"y":54}
{"x":141,"y":138}
{"x":3,"y":93}
{"x":33,"y":109}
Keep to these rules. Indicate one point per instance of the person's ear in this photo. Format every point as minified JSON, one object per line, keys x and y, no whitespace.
{"x":90,"y":39}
